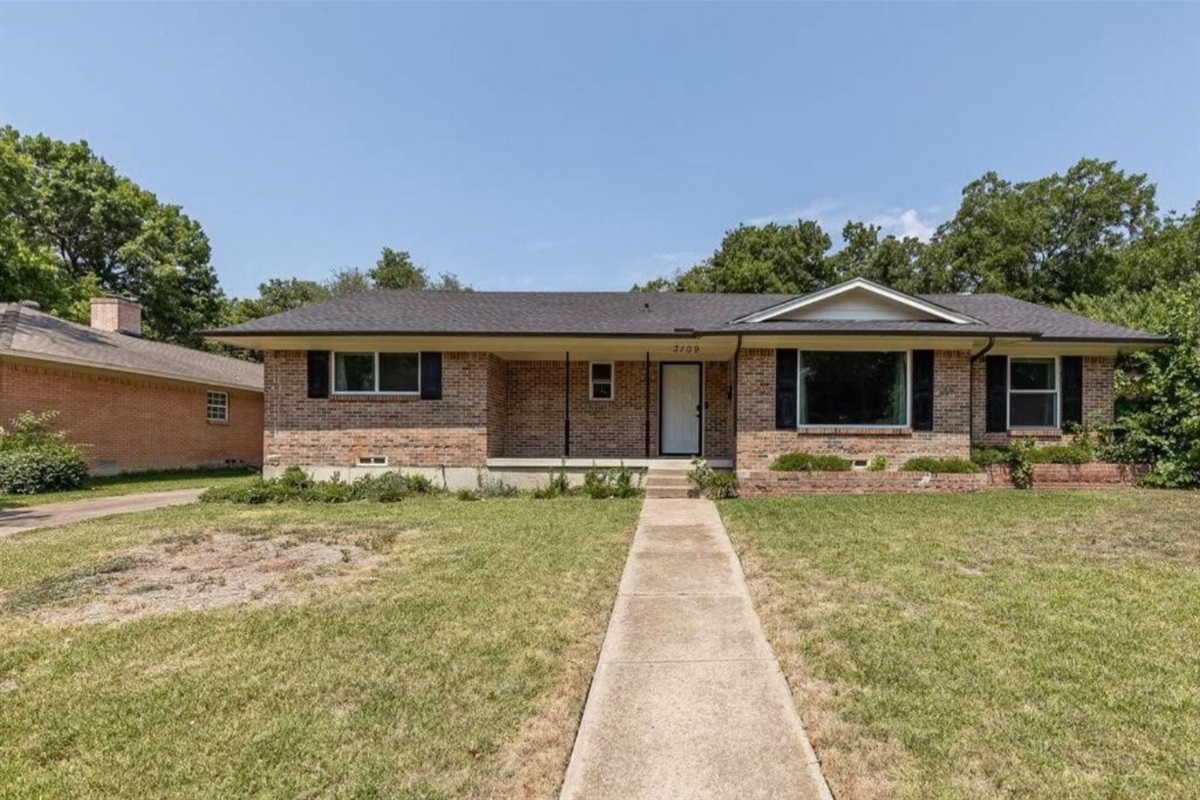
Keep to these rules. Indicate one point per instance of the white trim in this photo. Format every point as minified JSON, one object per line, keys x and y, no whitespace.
{"x":851,"y":285}
{"x":333,"y":390}
{"x":908,"y":401}
{"x":1008,"y":393}
{"x":612,"y":382}
{"x":222,"y":406}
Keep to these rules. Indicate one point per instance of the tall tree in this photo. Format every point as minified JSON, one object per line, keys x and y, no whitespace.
{"x":73,"y":226}
{"x":1044,"y":240}
{"x":890,"y":261}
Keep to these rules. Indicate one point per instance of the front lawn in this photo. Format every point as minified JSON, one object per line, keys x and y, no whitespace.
{"x":424,"y":649}
{"x":134,"y":483}
{"x":1001,"y":644}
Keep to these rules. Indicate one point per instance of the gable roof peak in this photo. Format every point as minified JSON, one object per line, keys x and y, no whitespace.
{"x":888,"y":295}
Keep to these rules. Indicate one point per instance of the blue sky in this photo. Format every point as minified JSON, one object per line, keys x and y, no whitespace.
{"x":577,"y":146}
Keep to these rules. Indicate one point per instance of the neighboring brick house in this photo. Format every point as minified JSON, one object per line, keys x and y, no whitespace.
{"x":137,"y":404}
{"x":515,"y":383}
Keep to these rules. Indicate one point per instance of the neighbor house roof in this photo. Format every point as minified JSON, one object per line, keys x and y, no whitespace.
{"x":436,"y":313}
{"x":29,"y":333}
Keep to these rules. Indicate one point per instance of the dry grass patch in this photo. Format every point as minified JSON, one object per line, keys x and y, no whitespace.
{"x":448,"y":657}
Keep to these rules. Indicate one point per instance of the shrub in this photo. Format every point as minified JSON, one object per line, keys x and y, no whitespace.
{"x":877,"y":464}
{"x":596,"y":483}
{"x":294,"y":485}
{"x":557,"y":486}
{"x":600,"y":483}
{"x":810,"y":462}
{"x":1021,"y":463}
{"x":711,"y":483}
{"x":1061,"y":454}
{"x":940,"y":465}
{"x":467,"y":495}
{"x":45,"y":468}
{"x":493,"y":487}
{"x":419,"y":484}
{"x":387,"y":487}
{"x":989,"y":456}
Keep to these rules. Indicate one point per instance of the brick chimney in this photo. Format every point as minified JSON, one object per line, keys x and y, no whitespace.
{"x":117,"y":314}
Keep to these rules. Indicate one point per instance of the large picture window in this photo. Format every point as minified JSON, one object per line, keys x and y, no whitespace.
{"x":384,"y":373}
{"x":852,"y":388}
{"x":1033,"y":393}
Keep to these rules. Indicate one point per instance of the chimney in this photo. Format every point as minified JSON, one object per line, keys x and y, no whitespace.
{"x":118,"y":314}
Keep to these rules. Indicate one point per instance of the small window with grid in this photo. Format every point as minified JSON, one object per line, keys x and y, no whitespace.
{"x":218,"y":407}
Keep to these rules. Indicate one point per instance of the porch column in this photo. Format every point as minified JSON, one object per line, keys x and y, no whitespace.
{"x":647,"y":404}
{"x":567,"y":409}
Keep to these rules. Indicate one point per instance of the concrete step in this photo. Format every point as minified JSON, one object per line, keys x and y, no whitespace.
{"x":668,"y":492}
{"x":667,"y":480}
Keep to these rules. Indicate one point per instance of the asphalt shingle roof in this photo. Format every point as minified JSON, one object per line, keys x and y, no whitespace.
{"x":32,"y":333}
{"x":638,"y":314}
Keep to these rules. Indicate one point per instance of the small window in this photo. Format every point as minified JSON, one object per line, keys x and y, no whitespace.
{"x":218,"y":407}
{"x":1033,"y":393}
{"x":372,"y":461}
{"x":602,"y":380}
{"x":371,"y":373}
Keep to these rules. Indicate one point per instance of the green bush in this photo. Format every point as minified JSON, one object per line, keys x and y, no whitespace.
{"x":493,"y":487}
{"x":600,"y":483}
{"x":990,"y":456}
{"x":940,"y":465}
{"x":1061,"y":454}
{"x":810,"y":462}
{"x":713,"y":484}
{"x":34,"y":458}
{"x":46,"y":468}
{"x":557,"y":486}
{"x":1021,"y":463}
{"x":294,"y":485}
{"x":877,"y":464}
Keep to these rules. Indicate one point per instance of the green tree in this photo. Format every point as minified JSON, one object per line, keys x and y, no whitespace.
{"x":1169,"y":252}
{"x":891,"y":261}
{"x":1158,"y":390}
{"x":395,"y":270}
{"x":771,"y":258}
{"x":1043,"y":240}
{"x":348,"y":280}
{"x":72,"y":227}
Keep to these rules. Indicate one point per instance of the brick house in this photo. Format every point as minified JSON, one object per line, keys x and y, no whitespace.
{"x":518,"y":382}
{"x":136,"y":403}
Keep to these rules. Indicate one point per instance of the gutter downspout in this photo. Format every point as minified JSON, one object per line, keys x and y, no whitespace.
{"x":971,"y":388}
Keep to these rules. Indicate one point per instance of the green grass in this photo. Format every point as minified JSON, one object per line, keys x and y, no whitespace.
{"x":446,"y":670}
{"x":134,"y":483}
{"x":1006,"y":644}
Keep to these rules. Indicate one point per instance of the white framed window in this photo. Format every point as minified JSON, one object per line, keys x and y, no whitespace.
{"x":372,"y":461}
{"x":376,"y":373}
{"x":602,"y":380}
{"x":1033,"y":396}
{"x":217,"y":407}
{"x":854,"y":388}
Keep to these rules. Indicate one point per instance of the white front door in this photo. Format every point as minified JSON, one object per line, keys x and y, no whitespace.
{"x":681,"y":410}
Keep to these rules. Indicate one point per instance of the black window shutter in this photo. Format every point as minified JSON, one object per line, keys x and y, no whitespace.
{"x":1072,"y":389}
{"x":318,"y":373}
{"x":431,"y":376}
{"x":922,"y":383}
{"x":997,"y":394}
{"x":785,"y":388}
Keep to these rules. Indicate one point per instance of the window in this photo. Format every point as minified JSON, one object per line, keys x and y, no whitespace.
{"x":218,"y":407}
{"x":1033,"y":393}
{"x":852,"y":388}
{"x":372,"y":461}
{"x":602,"y":380}
{"x":377,"y":373}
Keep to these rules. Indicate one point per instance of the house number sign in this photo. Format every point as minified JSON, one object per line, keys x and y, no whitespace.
{"x":686,"y":348}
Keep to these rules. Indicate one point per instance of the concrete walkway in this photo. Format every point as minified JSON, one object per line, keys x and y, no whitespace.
{"x":18,"y":520}
{"x":688,"y":700}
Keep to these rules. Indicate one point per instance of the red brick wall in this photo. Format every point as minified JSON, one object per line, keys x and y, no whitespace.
{"x":616,"y":428}
{"x":336,"y":431}
{"x":497,"y":404}
{"x":759,"y":443}
{"x":131,"y":422}
{"x":1097,"y":400}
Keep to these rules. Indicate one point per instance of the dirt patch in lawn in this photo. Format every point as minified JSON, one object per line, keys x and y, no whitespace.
{"x":189,"y":572}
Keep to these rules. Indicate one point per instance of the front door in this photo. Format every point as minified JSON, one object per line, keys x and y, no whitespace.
{"x":681,"y":408}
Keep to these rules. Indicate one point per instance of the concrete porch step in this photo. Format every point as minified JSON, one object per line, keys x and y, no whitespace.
{"x":668,"y":492}
{"x":666,"y":480}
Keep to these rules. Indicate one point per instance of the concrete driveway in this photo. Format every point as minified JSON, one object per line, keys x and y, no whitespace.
{"x":18,"y":520}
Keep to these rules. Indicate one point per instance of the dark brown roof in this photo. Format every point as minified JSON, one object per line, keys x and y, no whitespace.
{"x":27,"y":332}
{"x":638,"y":314}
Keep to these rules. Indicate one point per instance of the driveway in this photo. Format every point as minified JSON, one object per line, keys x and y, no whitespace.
{"x":18,"y":520}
